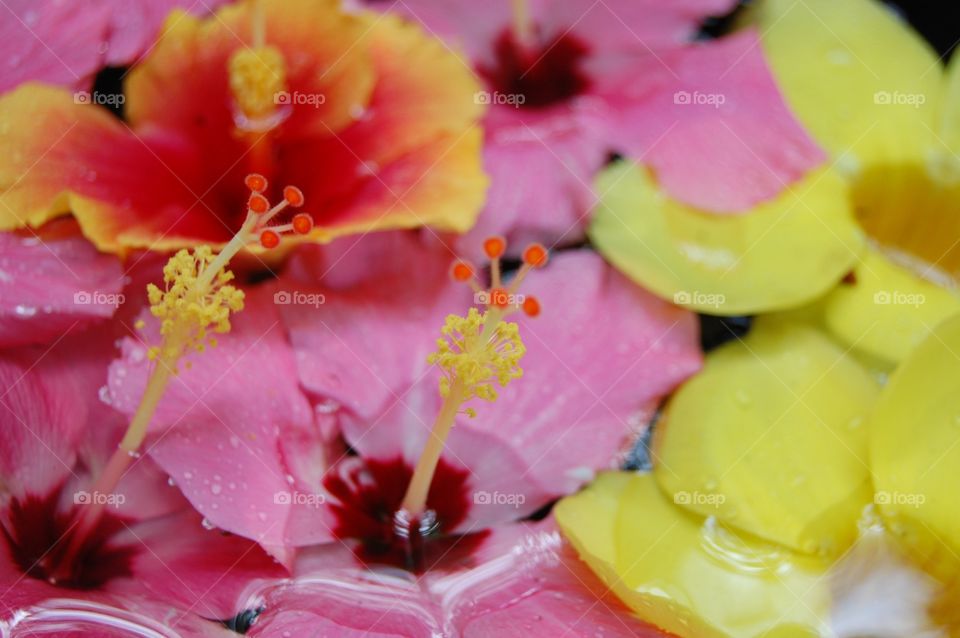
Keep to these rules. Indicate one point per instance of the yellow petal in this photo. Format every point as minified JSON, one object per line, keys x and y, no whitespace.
{"x":863,"y":83}
{"x":692,"y":577}
{"x":785,"y":252}
{"x":769,"y":437}
{"x":915,"y":450}
{"x":887,"y":310}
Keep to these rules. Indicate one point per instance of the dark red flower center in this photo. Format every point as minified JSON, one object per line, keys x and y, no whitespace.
{"x":369,"y":495}
{"x":37,"y":533}
{"x":543,"y":73}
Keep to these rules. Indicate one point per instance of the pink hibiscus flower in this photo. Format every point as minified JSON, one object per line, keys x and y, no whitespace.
{"x":242,"y":442}
{"x":141,"y":572}
{"x":569,"y":82}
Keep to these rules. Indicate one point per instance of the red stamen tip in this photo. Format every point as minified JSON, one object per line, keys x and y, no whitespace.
{"x":461,"y":271}
{"x":269,"y":239}
{"x":256,"y":182}
{"x":293,"y":195}
{"x":302,"y":223}
{"x":499,"y":298}
{"x":535,"y":255}
{"x":258,"y":203}
{"x":494,"y":246}
{"x":531,"y":307}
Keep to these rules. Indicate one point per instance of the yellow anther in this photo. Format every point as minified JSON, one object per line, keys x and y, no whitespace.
{"x":193,"y":303}
{"x":476,"y":354}
{"x":257,"y":75}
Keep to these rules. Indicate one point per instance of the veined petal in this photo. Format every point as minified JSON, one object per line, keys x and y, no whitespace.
{"x":729,"y":265}
{"x":710,"y":121}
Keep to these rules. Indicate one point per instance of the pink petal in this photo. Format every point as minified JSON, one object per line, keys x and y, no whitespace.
{"x":711,"y":121}
{"x":541,"y":169}
{"x":53,"y":41}
{"x":523,"y":581}
{"x":202,"y":570}
{"x":41,"y":421}
{"x":220,"y":426}
{"x":367,"y":343}
{"x":53,"y":285}
{"x":135,"y":25}
{"x":602,"y":351}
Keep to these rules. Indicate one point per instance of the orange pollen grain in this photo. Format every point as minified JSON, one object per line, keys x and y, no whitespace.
{"x":258,"y":203}
{"x":531,"y":307}
{"x":293,"y":195}
{"x":461,"y":271}
{"x":535,"y":255}
{"x":269,"y":239}
{"x":256,"y":182}
{"x":302,"y":223}
{"x":494,"y":247}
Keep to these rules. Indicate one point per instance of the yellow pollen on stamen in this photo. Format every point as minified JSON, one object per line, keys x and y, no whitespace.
{"x":477,"y":355}
{"x":192,"y":305}
{"x":257,"y":76}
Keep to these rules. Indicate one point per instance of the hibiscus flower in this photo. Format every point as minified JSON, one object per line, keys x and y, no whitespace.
{"x":569,"y":83}
{"x":373,"y":119}
{"x":139,"y":571}
{"x":359,"y":351}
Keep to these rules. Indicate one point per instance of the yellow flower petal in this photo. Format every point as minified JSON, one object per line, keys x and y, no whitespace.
{"x":782,"y":254}
{"x":915,"y":451}
{"x":863,"y":83}
{"x":887,"y":310}
{"x":686,"y":574}
{"x":769,"y":437}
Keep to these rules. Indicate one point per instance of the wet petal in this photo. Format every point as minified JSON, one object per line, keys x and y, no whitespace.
{"x":914,"y":451}
{"x":731,"y":265}
{"x":712,"y":124}
{"x":737,"y":442}
{"x":686,"y":574}
{"x":886,"y":310}
{"x":865,"y":85}
{"x":52,"y":285}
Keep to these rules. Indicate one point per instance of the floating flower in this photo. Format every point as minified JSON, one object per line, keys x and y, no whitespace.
{"x":826,"y":508}
{"x":361,"y":353}
{"x":372,"y":118}
{"x":569,"y":83}
{"x":887,"y":113}
{"x":134,"y":570}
